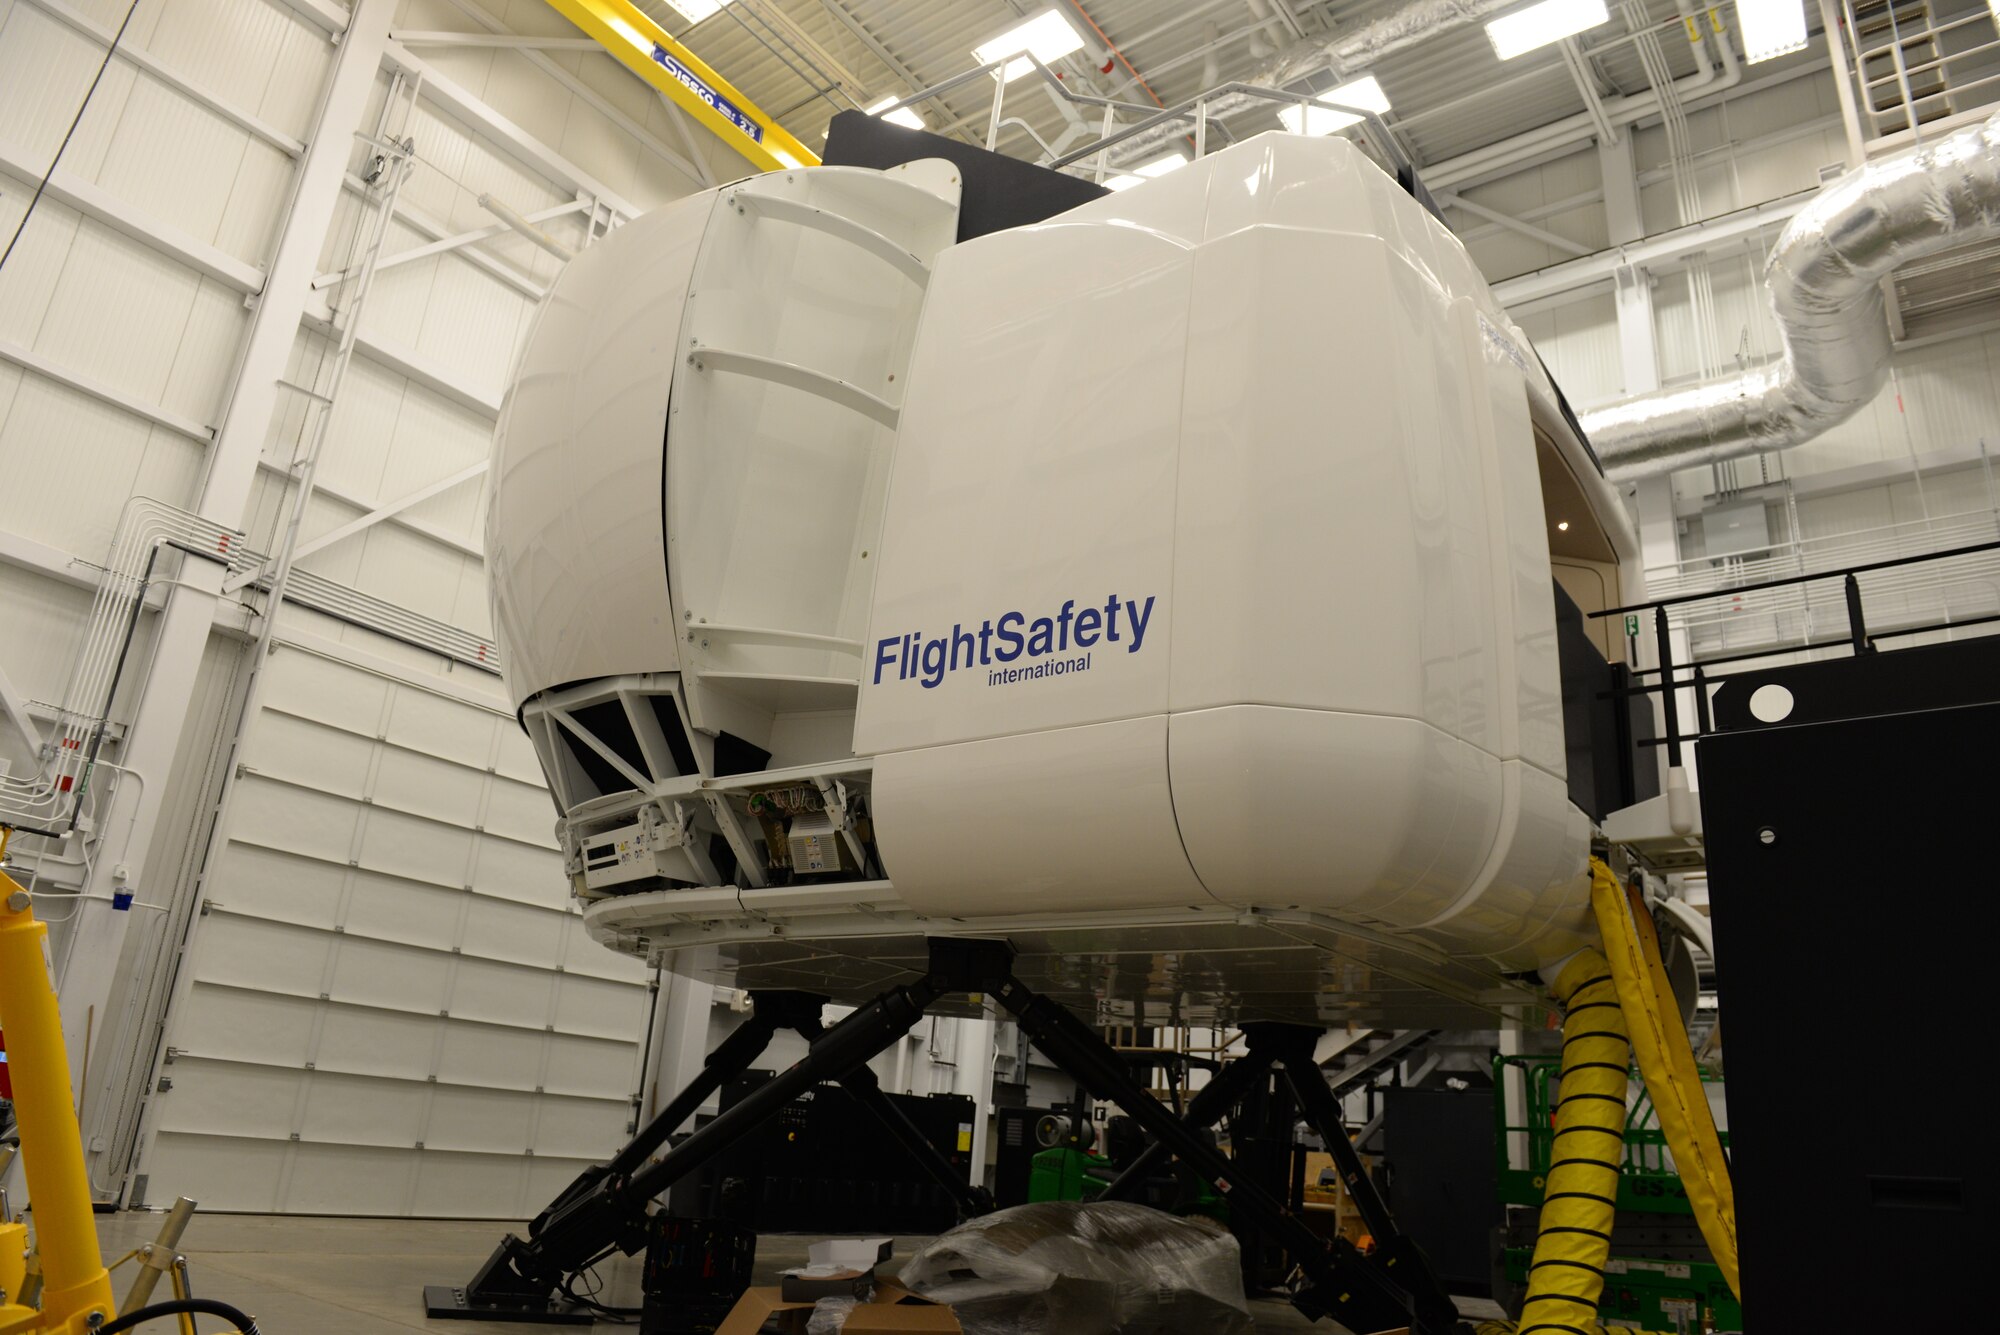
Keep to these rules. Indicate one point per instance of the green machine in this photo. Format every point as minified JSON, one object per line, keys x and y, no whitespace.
{"x":1660,"y":1274}
{"x":1062,"y":1170}
{"x":1070,"y":1168}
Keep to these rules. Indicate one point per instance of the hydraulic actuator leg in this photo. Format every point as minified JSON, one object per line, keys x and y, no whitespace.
{"x":520,"y":1281}
{"x":607,"y":1212}
{"x":1210,"y":1104}
{"x":524,"y":1279}
{"x":1341,"y":1282}
{"x":1291,"y":1046}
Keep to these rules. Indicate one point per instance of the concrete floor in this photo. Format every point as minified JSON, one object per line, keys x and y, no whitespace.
{"x":309,"y":1276}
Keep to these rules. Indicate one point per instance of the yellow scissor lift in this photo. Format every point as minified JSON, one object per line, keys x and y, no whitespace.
{"x":59,"y":1285}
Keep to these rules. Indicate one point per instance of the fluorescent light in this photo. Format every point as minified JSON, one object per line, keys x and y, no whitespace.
{"x":1125,"y":182}
{"x":1047,"y":37}
{"x":1161,"y":165}
{"x":904,"y":116}
{"x":1538,"y":25}
{"x":1771,"y":28}
{"x":1364,"y":93}
{"x":694,"y":11}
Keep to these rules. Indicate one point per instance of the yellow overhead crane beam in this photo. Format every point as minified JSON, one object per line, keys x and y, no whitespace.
{"x":644,"y":47}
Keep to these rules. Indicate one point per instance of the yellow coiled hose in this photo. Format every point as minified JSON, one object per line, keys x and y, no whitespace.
{"x":1580,"y":1199}
{"x":1566,"y":1278}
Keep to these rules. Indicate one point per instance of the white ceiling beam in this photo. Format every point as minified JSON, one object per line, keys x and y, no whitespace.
{"x":67,"y":188}
{"x":429,"y":532}
{"x":407,"y":362}
{"x":1663,"y":248}
{"x":441,"y":244}
{"x":693,"y":166}
{"x":144,"y":60}
{"x":25,"y":553}
{"x":497,"y":40}
{"x":29,"y":360}
{"x":329,"y":18}
{"x":362,"y":523}
{"x":1513,"y":224}
{"x":15,"y":706}
{"x":429,"y":227}
{"x":525,"y":147}
{"x":684,"y":129}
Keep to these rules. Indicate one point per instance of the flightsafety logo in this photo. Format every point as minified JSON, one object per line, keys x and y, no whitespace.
{"x":1015,"y":647}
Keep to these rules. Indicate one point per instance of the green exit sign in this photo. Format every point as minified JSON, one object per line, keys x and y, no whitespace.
{"x":1632,"y":623}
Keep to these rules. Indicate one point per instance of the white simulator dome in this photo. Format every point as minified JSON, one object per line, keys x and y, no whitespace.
{"x":1168,"y":587}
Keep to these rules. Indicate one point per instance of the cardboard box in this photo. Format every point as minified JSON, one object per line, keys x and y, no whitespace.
{"x":857,"y":1253}
{"x":892,"y":1311}
{"x":839,"y":1284}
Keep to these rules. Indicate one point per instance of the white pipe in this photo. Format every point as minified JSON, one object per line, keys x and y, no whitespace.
{"x":1824,"y":280}
{"x":1691,"y":923}
{"x":514,"y":220}
{"x":1581,"y":127}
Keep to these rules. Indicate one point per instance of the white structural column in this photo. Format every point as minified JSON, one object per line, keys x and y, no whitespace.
{"x":1638,"y":354}
{"x":155,"y":730}
{"x":973,"y":1077}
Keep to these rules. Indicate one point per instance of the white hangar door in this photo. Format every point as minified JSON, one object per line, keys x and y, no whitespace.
{"x":388,"y":1007}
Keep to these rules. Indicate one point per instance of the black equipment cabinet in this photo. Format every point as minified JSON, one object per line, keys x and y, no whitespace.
{"x":1854,"y":927}
{"x":1437,"y":1149}
{"x":826,"y":1164}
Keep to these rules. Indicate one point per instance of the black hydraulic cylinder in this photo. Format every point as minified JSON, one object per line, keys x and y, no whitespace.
{"x":1670,"y":700}
{"x":972,"y":1200}
{"x":838,"y":1051}
{"x":1292,"y":1046}
{"x":1857,"y":623}
{"x":1210,"y":1104}
{"x":731,"y":1058}
{"x":1343,"y":1284}
{"x":866,"y":1090}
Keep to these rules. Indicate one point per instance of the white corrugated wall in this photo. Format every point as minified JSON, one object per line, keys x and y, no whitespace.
{"x":312,"y":1055}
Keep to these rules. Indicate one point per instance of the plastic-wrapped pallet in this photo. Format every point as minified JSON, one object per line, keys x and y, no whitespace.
{"x":1085,"y":1268}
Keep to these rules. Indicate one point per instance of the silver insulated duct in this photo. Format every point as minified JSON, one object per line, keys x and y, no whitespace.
{"x":1345,"y":53}
{"x":1825,"y":280}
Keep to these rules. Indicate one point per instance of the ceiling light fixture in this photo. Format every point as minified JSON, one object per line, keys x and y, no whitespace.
{"x":906,"y":116}
{"x":1364,"y":93}
{"x":1125,"y":182}
{"x":1047,"y":37}
{"x":1562,"y":526}
{"x":694,"y":11}
{"x":1538,"y":25}
{"x":1771,"y":28}
{"x":1161,"y":165}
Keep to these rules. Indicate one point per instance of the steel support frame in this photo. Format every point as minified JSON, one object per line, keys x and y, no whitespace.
{"x":443,"y":244}
{"x":1513,"y":224}
{"x":605,"y":1208}
{"x":98,"y":932}
{"x":432,"y":230}
{"x":692,"y":166}
{"x":141,"y":59}
{"x":67,"y":188}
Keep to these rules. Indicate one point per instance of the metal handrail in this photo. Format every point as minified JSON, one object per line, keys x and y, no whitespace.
{"x":1376,"y":129}
{"x":1849,"y":572}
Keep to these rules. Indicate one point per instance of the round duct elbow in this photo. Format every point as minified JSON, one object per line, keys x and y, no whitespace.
{"x":1824,"y":279}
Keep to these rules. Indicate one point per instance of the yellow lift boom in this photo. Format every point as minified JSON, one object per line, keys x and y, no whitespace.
{"x":644,"y":47}
{"x":76,"y":1289}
